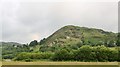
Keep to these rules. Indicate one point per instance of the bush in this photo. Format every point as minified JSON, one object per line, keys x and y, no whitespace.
{"x":85,"y":53}
{"x":61,"y":55}
{"x":25,"y":56}
{"x":106,"y":54}
{"x":9,"y":56}
{"x":102,"y":53}
{"x":28,"y":60}
{"x":119,"y":54}
{"x":99,"y":53}
{"x":113,"y":54}
{"x":33,"y":43}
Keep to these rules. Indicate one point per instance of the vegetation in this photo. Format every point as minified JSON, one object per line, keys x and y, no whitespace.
{"x":33,"y":56}
{"x":11,"y":49}
{"x":70,"y":43}
{"x":88,"y":53}
{"x":33,"y":43}
{"x":73,"y":35}
{"x":85,"y":53}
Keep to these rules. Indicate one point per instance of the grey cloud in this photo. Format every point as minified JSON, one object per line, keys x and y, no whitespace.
{"x":25,"y":21}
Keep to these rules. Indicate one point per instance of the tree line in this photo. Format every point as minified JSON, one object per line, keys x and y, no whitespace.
{"x":85,"y":53}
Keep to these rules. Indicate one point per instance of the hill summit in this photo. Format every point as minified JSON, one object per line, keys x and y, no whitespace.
{"x":71,"y":35}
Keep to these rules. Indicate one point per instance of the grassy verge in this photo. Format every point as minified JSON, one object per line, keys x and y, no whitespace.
{"x":59,"y":63}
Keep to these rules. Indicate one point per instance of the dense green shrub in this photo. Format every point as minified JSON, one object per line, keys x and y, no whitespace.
{"x":8,"y":56}
{"x":26,"y":56}
{"x":106,"y":54}
{"x":88,"y":53}
{"x":113,"y":54}
{"x":119,"y":54}
{"x":28,"y":60}
{"x":33,"y":43}
{"x":61,"y":55}
{"x":85,"y":53}
{"x":42,"y":41}
{"x":101,"y":53}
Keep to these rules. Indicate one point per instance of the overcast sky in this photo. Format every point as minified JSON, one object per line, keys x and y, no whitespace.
{"x":25,"y":20}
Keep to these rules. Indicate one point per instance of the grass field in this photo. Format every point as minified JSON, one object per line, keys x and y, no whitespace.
{"x":60,"y":64}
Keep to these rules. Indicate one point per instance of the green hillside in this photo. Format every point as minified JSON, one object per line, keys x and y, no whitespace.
{"x":11,"y":49}
{"x":72,"y":35}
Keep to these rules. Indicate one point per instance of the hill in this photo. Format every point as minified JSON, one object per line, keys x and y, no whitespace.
{"x":11,"y":49}
{"x":69,"y":37}
{"x":9,"y":43}
{"x":73,"y":36}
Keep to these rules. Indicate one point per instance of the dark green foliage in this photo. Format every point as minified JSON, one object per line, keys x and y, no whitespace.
{"x":28,"y":60}
{"x":25,"y":56}
{"x":85,"y":53}
{"x":42,"y":41}
{"x":33,"y":43}
{"x":8,"y":56}
{"x":102,"y":53}
{"x":113,"y":55}
{"x":61,"y":55}
{"x":118,"y":40}
{"x":88,"y":53}
{"x":10,"y":50}
{"x":111,"y":44}
{"x":43,"y":48}
{"x":106,"y":54}
{"x":118,"y":53}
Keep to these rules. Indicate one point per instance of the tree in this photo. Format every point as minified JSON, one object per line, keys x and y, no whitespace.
{"x":33,"y":43}
{"x":42,"y":41}
{"x":118,"y":40}
{"x":102,"y":53}
{"x":111,"y":44}
{"x":61,"y":55}
{"x":85,"y":54}
{"x":113,"y":54}
{"x":119,"y":54}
